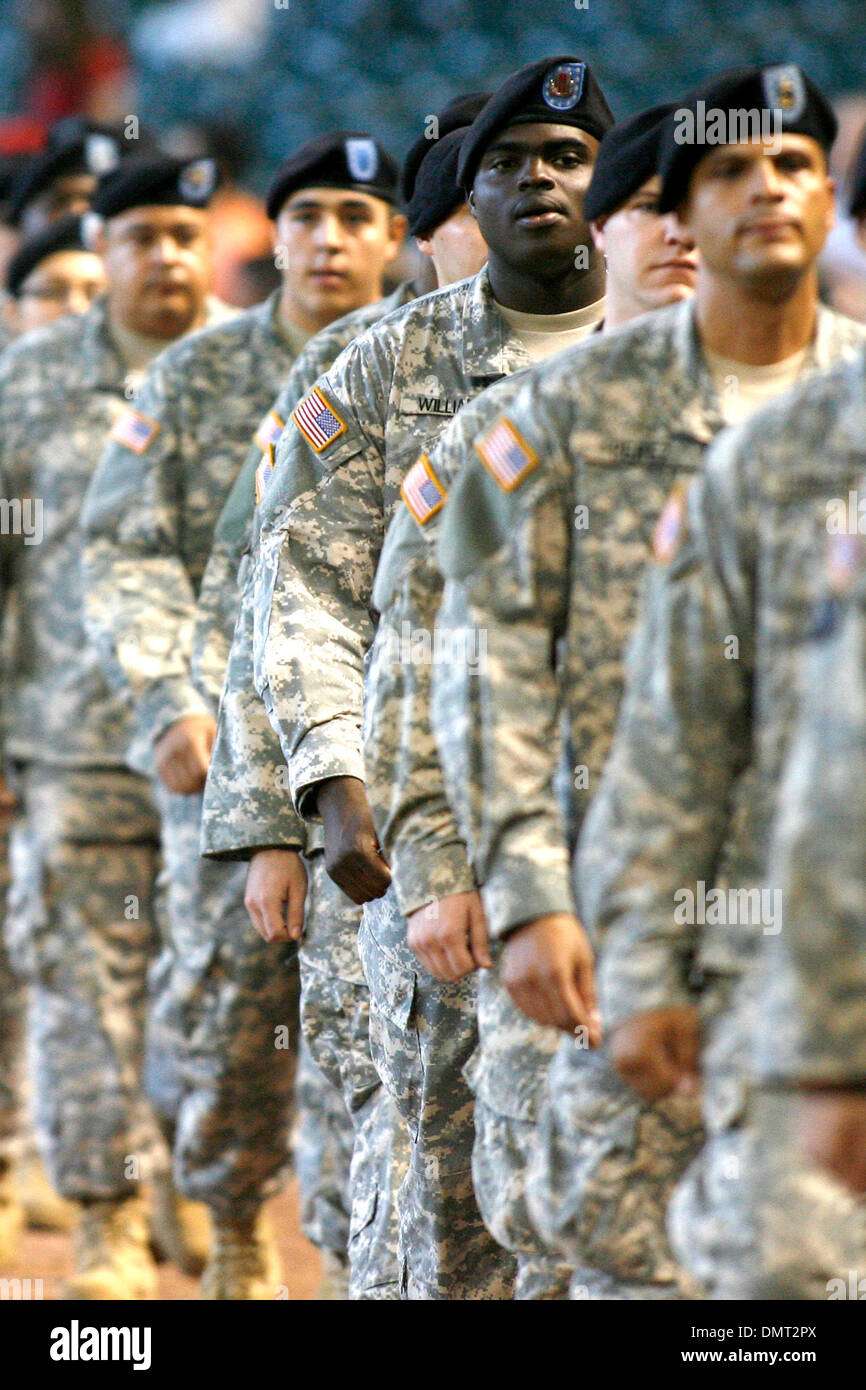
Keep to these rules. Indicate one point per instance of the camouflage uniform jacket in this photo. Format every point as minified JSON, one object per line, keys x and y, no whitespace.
{"x":155,"y":499}
{"x":545,"y":536}
{"x":688,"y":792}
{"x":812,"y":996}
{"x":62,"y":388}
{"x":246,"y":802}
{"x":332,"y":495}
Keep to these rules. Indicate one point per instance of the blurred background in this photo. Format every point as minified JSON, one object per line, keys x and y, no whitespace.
{"x":249,"y":79}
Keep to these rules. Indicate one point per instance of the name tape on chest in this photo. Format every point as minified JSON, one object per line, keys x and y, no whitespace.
{"x":134,"y":431}
{"x":422,"y":491}
{"x":264,"y":472}
{"x":506,"y":454}
{"x":269,"y":430}
{"x":318,"y":422}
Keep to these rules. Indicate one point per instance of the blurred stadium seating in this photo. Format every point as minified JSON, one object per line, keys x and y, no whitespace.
{"x":286,"y":69}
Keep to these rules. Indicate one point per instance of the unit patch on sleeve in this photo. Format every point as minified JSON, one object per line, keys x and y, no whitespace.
{"x":134,"y":431}
{"x":263,"y":472}
{"x":506,"y":454}
{"x":318,"y":422}
{"x":422,"y":491}
{"x":269,"y":430}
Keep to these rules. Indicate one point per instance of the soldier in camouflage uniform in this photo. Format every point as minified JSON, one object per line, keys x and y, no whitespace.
{"x":245,"y":798}
{"x":51,"y":273}
{"x":84,"y":851}
{"x":334,"y":490}
{"x":651,"y":262}
{"x":551,"y":590}
{"x":808,"y":1114}
{"x":226,"y":1003}
{"x":673,"y":849}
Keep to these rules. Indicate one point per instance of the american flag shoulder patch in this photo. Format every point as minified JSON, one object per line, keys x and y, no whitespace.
{"x":670,"y":527}
{"x":135,"y":431}
{"x":263,"y":472}
{"x":318,"y":422}
{"x":506,"y":454}
{"x":269,"y":430}
{"x":422,"y":491}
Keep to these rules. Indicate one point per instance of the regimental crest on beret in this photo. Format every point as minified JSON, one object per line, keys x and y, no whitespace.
{"x":784,"y":91}
{"x":562,"y":87}
{"x":101,"y":154}
{"x":198,"y":179}
{"x":362,"y":158}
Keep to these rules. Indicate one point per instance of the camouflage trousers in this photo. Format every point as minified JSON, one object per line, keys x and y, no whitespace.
{"x":712,"y":1221}
{"x":322,"y":1152}
{"x":335,"y":1018}
{"x":603,"y":1169}
{"x":12,"y":1026}
{"x":81,"y":930}
{"x":508,"y":1074}
{"x":811,"y":1228}
{"x":422,"y":1034}
{"x":225,"y":1009}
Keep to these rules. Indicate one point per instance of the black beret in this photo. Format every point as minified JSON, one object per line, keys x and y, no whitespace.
{"x":458,"y":113}
{"x":156,"y":181}
{"x":742,"y":98}
{"x":857,"y":181}
{"x":562,"y":89}
{"x":437,"y":193}
{"x":94,"y":151}
{"x":64,"y":234}
{"x":345,"y":159}
{"x":627,"y":157}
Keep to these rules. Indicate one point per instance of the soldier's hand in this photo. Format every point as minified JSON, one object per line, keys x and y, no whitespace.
{"x":658,"y":1053}
{"x":832,"y":1130}
{"x":449,"y":936}
{"x":183,"y":753}
{"x":8,"y":801}
{"x":352,"y":855}
{"x":275,"y":894}
{"x":547,"y":968}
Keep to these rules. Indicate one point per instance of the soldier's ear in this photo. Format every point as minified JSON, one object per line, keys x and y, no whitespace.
{"x":470,"y":199}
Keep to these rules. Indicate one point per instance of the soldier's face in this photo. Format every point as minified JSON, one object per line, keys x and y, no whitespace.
{"x":158,"y":267}
{"x":456,"y":248}
{"x":332,"y":246}
{"x":760,"y":210}
{"x":528,"y":194}
{"x":67,"y":196}
{"x":65,"y":283}
{"x":651,"y":259}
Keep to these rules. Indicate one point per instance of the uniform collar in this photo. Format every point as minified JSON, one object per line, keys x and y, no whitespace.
{"x":103,"y":367}
{"x":488,"y":348}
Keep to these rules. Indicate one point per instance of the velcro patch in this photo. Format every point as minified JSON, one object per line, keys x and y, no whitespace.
{"x":263,"y":472}
{"x":506,"y":454}
{"x":134,"y":431}
{"x":318,"y":422}
{"x":670,"y":527}
{"x":422,"y":491}
{"x":269,"y":430}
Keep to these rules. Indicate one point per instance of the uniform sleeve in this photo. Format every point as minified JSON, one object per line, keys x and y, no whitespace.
{"x":247,"y":805}
{"x":657,"y":826}
{"x":139,"y":603}
{"x":812,"y":992}
{"x":322,"y":530}
{"x":504,"y":556}
{"x":416,"y":824}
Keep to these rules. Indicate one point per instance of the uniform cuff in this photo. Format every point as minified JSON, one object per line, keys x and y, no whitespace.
{"x":652,"y":976}
{"x":519,"y":891}
{"x":323,"y":753}
{"x":423,"y":875}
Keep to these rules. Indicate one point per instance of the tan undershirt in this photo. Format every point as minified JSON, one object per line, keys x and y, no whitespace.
{"x":743,"y":388}
{"x":544,"y":334}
